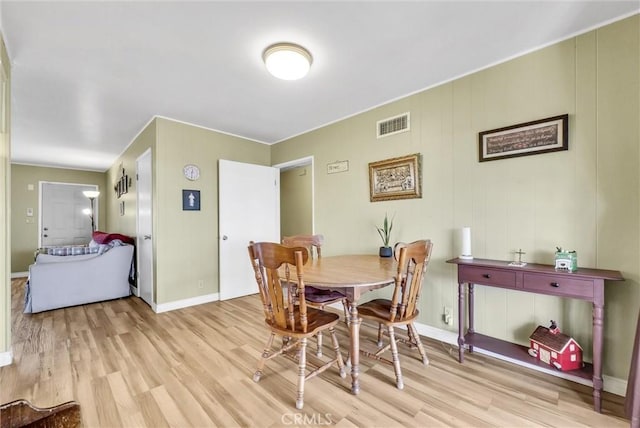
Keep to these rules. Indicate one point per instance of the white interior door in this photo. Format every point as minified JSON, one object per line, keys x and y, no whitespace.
{"x":144,"y":240}
{"x":249,"y":204}
{"x":62,"y":221}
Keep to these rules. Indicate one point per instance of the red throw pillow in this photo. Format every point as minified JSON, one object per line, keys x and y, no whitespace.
{"x":105,"y":238}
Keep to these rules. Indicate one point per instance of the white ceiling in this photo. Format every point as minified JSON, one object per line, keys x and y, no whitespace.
{"x":87,"y":76}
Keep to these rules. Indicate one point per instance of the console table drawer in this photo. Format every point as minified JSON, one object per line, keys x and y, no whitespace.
{"x":558,"y":286}
{"x":485,"y":276}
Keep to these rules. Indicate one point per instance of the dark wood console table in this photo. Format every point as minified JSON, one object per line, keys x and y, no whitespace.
{"x":584,"y":284}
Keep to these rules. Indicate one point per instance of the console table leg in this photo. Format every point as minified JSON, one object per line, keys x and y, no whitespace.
{"x":461,"y":323}
{"x":598,"y":311}
{"x":471,"y":314}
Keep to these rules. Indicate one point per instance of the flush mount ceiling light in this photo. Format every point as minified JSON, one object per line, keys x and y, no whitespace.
{"x":287,"y":61}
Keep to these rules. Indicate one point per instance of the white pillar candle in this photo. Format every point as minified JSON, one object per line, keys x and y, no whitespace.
{"x":466,"y":243}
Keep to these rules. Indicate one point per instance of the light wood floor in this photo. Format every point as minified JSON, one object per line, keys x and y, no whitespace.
{"x":127,"y":366}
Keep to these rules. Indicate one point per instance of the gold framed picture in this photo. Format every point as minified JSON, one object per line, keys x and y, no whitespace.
{"x":396,"y":178}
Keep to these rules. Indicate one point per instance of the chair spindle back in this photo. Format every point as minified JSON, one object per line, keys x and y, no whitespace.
{"x":310,"y":242}
{"x":267,"y":259}
{"x":412,"y":260}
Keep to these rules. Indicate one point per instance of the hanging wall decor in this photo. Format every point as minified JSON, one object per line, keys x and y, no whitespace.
{"x":190,"y":200}
{"x":539,"y":136}
{"x":123,"y":184}
{"x":397,"y":178}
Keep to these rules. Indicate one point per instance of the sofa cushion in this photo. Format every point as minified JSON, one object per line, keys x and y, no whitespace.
{"x":105,"y":238}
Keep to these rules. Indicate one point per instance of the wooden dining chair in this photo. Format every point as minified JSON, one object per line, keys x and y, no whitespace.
{"x":21,"y":413}
{"x":295,"y":322}
{"x":402,"y":309}
{"x":316,"y":297}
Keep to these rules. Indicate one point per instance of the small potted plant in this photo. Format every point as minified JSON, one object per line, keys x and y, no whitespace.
{"x":385,"y":234}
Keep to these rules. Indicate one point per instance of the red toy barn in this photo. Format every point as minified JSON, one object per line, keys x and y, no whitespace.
{"x":557,"y":349}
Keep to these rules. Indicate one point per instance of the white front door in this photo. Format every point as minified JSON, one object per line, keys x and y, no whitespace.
{"x":62,"y":221}
{"x":249,"y":204}
{"x":144,"y":239}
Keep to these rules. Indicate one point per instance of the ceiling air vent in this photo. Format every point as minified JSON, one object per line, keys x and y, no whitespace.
{"x":393,"y":125}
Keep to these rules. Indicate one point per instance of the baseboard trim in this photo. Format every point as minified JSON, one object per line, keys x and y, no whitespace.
{"x":615,"y":385}
{"x":15,"y":275}
{"x":611,"y":384}
{"x":6,"y":358}
{"x":185,"y":303}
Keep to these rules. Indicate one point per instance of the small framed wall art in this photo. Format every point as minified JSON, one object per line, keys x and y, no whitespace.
{"x":190,"y":200}
{"x":338,"y":166}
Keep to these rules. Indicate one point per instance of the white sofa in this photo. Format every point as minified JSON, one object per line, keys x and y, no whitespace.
{"x":61,"y":281}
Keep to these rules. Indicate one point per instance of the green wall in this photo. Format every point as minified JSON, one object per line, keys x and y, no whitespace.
{"x":296,"y":214}
{"x":586,"y":198}
{"x":5,"y":205}
{"x":185,"y":242}
{"x":126,"y":224}
{"x":25,"y":194}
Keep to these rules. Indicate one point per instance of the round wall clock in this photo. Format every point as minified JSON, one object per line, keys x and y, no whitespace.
{"x":191,"y":172}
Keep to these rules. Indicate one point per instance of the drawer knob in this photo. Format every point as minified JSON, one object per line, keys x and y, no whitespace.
{"x":486,"y":275}
{"x":555,"y":284}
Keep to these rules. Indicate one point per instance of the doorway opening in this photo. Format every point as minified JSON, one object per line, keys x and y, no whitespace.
{"x":297,"y":197}
{"x":62,"y":220}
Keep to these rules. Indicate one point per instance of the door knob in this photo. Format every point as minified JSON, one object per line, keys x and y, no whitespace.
{"x":46,"y":228}
{"x":225,"y":237}
{"x":45,"y":235}
{"x":147,"y":237}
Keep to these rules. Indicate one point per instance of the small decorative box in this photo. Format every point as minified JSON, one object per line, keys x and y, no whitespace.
{"x":566,"y":260}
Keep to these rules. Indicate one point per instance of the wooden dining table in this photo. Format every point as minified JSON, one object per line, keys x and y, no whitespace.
{"x":352,"y":275}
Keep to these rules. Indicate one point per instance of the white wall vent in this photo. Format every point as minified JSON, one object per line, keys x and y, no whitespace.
{"x":393,"y":125}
